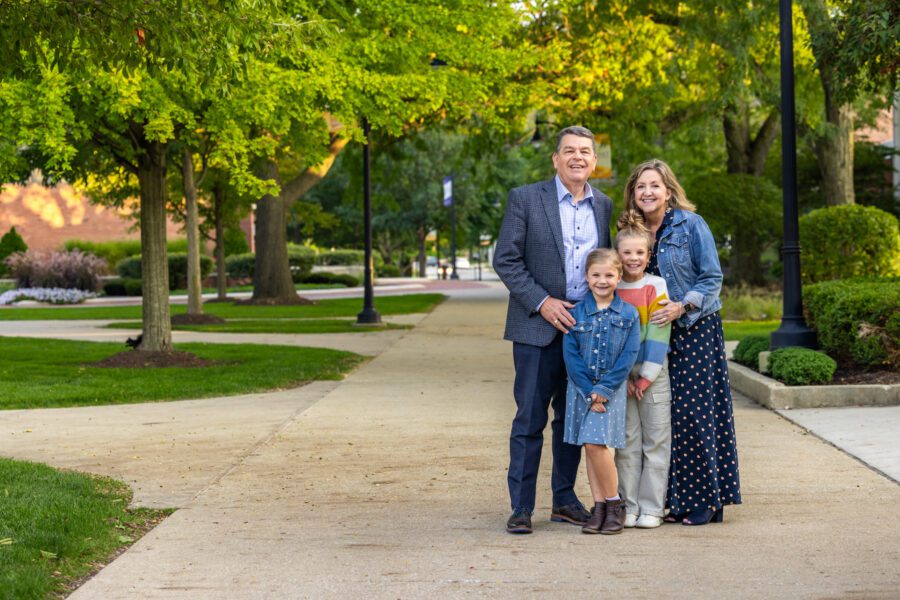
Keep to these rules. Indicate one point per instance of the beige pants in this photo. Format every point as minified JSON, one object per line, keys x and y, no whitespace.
{"x":643,"y":464}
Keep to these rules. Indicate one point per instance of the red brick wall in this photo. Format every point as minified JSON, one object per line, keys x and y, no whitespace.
{"x":46,"y":217}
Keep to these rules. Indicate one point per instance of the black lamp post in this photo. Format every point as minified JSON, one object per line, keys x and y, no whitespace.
{"x":368,"y":316}
{"x":793,"y":330}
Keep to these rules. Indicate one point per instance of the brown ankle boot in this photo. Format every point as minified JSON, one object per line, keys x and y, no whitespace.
{"x":598,"y":514}
{"x":615,"y":518}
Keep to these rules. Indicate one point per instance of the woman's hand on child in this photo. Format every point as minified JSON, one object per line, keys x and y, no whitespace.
{"x":597,"y":402}
{"x":669,"y":312}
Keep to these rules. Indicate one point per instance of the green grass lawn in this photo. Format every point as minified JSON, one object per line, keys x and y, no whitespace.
{"x":56,"y":527}
{"x":274,"y":326}
{"x":338,"y":307}
{"x":738,"y":330}
{"x":249,"y":288}
{"x":41,"y":373}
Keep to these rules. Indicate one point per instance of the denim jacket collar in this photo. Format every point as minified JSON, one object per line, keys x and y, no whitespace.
{"x":590,"y":304}
{"x":678,"y":218}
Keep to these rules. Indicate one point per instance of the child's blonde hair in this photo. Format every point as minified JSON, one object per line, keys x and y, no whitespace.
{"x":630,"y":228}
{"x":603,"y":256}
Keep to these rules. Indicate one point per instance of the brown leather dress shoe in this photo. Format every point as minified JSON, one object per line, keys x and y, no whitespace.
{"x":519,"y":521}
{"x":598,"y":515}
{"x":576,"y":514}
{"x":615,"y":518}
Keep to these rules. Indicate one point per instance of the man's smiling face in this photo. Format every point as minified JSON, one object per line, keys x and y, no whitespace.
{"x":575,"y":160}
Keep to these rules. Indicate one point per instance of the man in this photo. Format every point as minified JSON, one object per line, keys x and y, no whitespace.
{"x":548,"y":230}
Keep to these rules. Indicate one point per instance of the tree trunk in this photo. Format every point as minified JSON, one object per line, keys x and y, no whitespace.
{"x":192,"y":225}
{"x":221,"y":274}
{"x":834,"y":153}
{"x":157,"y":329}
{"x":422,"y":259}
{"x":272,"y":282}
{"x":747,"y":155}
{"x":834,"y":146}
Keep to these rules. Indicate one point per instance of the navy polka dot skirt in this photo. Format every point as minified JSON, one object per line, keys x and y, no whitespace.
{"x":704,"y":470}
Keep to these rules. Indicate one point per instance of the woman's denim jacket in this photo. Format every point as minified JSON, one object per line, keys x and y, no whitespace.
{"x":601,"y":348}
{"x":689,"y":262}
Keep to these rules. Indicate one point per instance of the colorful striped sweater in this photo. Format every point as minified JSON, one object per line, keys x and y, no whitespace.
{"x":645,"y":295}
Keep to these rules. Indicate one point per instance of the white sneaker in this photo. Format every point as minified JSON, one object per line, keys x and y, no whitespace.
{"x":648,"y":522}
{"x":630,"y":520}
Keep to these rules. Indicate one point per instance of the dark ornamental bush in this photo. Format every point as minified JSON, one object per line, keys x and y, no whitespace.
{"x":326,"y":278}
{"x":843,"y":242}
{"x":857,"y":321}
{"x":346,"y":257}
{"x":73,"y":270}
{"x":801,"y":366}
{"x":748,"y":349}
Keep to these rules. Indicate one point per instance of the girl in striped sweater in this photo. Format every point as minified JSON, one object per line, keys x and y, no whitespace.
{"x":643,"y":464}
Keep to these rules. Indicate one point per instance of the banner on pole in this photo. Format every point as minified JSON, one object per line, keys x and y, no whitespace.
{"x":448,"y":191}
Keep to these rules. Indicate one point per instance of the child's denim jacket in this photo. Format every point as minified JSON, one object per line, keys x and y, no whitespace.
{"x":602,"y":347}
{"x":689,"y":262}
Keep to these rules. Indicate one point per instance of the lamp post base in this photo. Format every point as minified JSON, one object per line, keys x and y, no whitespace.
{"x":369,"y":317}
{"x":793,"y":332}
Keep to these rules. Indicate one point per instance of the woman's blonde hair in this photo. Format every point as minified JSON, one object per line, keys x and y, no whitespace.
{"x":628,"y":228}
{"x":603,"y":256}
{"x":677,"y":198}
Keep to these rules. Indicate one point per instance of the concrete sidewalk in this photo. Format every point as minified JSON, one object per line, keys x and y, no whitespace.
{"x":392,"y":485}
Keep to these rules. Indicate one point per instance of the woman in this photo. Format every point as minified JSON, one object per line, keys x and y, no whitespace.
{"x":703,"y":476}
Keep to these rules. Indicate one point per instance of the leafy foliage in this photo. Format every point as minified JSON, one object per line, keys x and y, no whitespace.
{"x":114,"y":251}
{"x":10,"y":243}
{"x":856,"y":320}
{"x":801,"y":366}
{"x":843,"y":242}
{"x":130,"y":268}
{"x":748,"y":349}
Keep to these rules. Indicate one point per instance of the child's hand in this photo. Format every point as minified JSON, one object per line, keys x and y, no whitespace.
{"x":640,"y":386}
{"x":630,"y":389}
{"x":597,"y":402}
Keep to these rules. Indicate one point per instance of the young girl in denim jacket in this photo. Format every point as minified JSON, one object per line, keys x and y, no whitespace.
{"x":599,"y":352}
{"x":643,"y":463}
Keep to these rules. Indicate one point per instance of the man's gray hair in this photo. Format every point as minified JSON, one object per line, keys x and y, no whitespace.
{"x":575,"y":130}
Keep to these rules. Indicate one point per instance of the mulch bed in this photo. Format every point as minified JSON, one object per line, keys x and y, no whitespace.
{"x":848,"y":377}
{"x":186,"y":319}
{"x":139,"y":359}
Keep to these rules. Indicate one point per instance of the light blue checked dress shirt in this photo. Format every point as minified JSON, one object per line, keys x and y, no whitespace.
{"x":579,"y":229}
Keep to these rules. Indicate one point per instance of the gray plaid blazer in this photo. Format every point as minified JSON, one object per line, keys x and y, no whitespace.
{"x":530,"y":256}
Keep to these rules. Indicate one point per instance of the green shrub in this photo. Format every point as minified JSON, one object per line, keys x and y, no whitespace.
{"x":240,"y":266}
{"x":115,"y":251}
{"x":801,"y":366}
{"x":10,"y":243}
{"x":235,"y":241}
{"x":301,"y":259}
{"x":346,"y":257}
{"x":114,"y":287}
{"x":326,"y":278}
{"x":133,"y":287}
{"x":843,"y":242}
{"x":388,"y":271}
{"x":748,"y":349}
{"x":856,"y":320}
{"x":130,"y":268}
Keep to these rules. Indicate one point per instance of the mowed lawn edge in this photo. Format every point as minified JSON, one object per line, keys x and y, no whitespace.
{"x":287,"y":326}
{"x":45,"y":373}
{"x":59,"y":527}
{"x":328,"y":308}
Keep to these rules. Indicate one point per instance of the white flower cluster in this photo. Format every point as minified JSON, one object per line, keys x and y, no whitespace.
{"x":51,"y":295}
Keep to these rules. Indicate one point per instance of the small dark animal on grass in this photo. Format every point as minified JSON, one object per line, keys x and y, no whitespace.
{"x":133,"y":343}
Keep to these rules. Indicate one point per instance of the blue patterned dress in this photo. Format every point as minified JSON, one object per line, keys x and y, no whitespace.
{"x":704,"y":466}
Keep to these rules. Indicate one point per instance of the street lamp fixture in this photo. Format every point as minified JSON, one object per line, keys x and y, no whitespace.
{"x":368,"y":316}
{"x":793,"y":330}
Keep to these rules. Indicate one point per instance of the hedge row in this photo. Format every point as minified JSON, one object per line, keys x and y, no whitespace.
{"x":300,"y":259}
{"x":857,"y":321}
{"x":130,"y":268}
{"x":116,"y":251}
